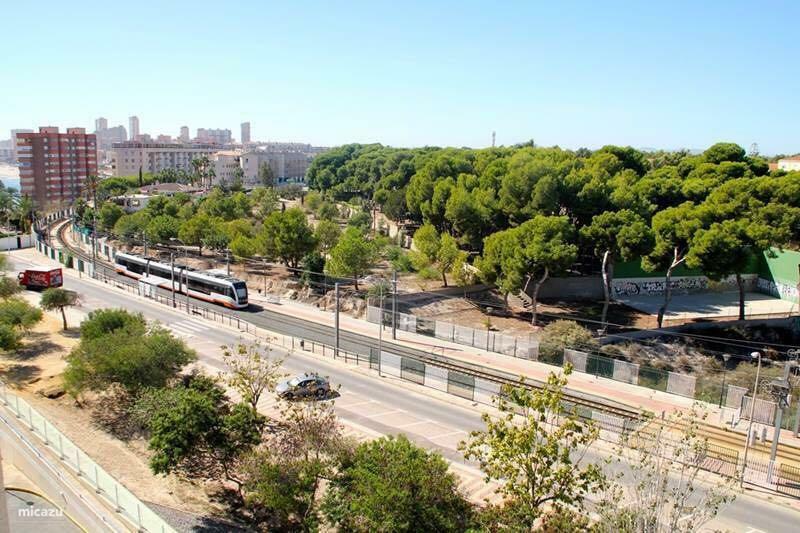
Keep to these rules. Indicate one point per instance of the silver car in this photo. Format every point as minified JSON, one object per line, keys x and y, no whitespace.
{"x":304,"y":386}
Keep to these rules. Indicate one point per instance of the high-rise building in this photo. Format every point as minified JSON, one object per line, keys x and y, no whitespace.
{"x":133,"y":127}
{"x":14,"y":143}
{"x":100,"y":124}
{"x":53,"y":166}
{"x":109,"y":136}
{"x":215,"y":136}
{"x":184,"y":138}
{"x":245,"y":132}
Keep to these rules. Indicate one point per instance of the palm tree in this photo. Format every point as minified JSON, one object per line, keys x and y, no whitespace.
{"x":25,"y":213}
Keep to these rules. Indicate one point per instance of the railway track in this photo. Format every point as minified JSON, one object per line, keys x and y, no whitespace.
{"x":358,"y":343}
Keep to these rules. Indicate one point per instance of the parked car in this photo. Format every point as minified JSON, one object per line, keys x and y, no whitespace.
{"x":304,"y":386}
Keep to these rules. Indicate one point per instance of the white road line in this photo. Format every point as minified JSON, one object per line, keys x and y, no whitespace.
{"x":349,"y":405}
{"x":393,"y":411}
{"x":179,"y":332}
{"x":447,"y":434}
{"x":413,"y":424}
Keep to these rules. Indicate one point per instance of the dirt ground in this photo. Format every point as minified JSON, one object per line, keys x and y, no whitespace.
{"x":35,"y":371}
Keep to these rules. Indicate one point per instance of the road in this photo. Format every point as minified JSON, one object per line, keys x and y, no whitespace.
{"x":379,"y":406}
{"x":45,"y":470}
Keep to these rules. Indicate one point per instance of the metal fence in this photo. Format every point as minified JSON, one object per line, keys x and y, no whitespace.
{"x":482,"y":339}
{"x":123,"y":500}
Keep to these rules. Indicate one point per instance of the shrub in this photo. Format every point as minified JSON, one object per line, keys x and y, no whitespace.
{"x":564,"y":334}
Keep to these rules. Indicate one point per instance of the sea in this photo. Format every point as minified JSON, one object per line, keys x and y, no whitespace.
{"x":9,"y":175}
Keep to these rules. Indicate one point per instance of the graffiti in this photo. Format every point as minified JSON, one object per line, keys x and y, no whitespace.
{"x":623,"y":288}
{"x":777,"y":289}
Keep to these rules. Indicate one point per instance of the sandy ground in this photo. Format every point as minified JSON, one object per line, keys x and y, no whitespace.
{"x":37,"y":367}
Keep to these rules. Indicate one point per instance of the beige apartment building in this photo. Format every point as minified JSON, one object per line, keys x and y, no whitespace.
{"x":287,"y":166}
{"x":226,"y":163}
{"x":129,"y":157}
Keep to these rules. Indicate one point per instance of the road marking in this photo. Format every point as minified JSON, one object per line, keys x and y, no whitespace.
{"x":403,"y":426}
{"x":393,"y":411}
{"x":449,"y":434}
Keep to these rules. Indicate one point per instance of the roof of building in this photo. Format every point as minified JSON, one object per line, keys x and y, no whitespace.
{"x":167,"y":187}
{"x":792,"y":158}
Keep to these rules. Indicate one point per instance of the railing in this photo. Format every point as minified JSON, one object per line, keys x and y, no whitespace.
{"x":114,"y":492}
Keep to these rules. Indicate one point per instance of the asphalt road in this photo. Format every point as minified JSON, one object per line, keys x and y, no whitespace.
{"x":382,"y":405}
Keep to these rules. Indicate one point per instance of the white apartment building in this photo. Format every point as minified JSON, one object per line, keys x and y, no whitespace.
{"x":216,"y":136}
{"x":133,"y":127}
{"x":789,"y":163}
{"x":154,"y":157}
{"x":287,"y":166}
{"x":226,"y":163}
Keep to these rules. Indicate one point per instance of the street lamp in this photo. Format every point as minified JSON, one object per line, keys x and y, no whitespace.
{"x":754,"y":355}
{"x":725,"y":357}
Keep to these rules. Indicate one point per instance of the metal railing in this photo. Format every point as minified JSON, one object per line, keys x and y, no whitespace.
{"x":103,"y":483}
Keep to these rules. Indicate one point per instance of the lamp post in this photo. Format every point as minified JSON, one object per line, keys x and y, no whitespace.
{"x":726,"y":357}
{"x":754,"y":355}
{"x":380,"y":328}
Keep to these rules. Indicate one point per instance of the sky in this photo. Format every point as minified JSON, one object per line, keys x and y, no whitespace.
{"x":445,"y":73}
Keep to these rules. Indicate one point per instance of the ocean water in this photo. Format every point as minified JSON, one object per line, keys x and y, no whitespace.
{"x":9,"y":176}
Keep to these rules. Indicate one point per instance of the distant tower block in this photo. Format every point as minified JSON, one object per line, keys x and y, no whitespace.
{"x":493,"y":138}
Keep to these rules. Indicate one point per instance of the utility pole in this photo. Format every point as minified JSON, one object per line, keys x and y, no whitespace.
{"x":780,"y":390}
{"x":93,"y":184}
{"x":394,"y":304}
{"x":750,"y":422}
{"x":228,"y":260}
{"x":172,"y":276}
{"x":380,"y":329}
{"x":336,"y":320}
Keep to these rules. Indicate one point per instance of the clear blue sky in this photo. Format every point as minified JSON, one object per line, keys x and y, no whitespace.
{"x":669,"y":74}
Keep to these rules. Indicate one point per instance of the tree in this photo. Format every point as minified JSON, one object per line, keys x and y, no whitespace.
{"x":58,"y":298}
{"x":390,"y":484}
{"x":129,"y":355}
{"x":674,"y":229}
{"x":662,"y":486}
{"x":242,"y":246}
{"x":327,"y":211}
{"x":284,"y":478}
{"x":199,"y":432}
{"x":327,"y":234}
{"x":9,"y":287}
{"x":265,"y":200}
{"x":194,"y":230}
{"x":19,"y":314}
{"x":252,"y":369}
{"x":361,"y":220}
{"x":108,"y":215}
{"x":266,"y":177}
{"x":129,"y":227}
{"x":616,"y":235}
{"x":313,"y":266}
{"x":536,"y":453}
{"x":104,"y":321}
{"x":163,"y":228}
{"x":9,"y":338}
{"x":463,"y":272}
{"x":545,"y":248}
{"x":286,"y":236}
{"x":447,"y":255}
{"x":353,"y":256}
{"x":427,"y":241}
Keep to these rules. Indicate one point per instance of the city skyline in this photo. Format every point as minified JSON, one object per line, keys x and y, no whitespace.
{"x":445,"y":75}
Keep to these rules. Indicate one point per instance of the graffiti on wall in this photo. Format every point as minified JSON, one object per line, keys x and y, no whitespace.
{"x":649,"y":287}
{"x":784,"y":291}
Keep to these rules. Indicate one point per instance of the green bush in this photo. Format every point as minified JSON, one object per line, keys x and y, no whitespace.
{"x":564,"y":334}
